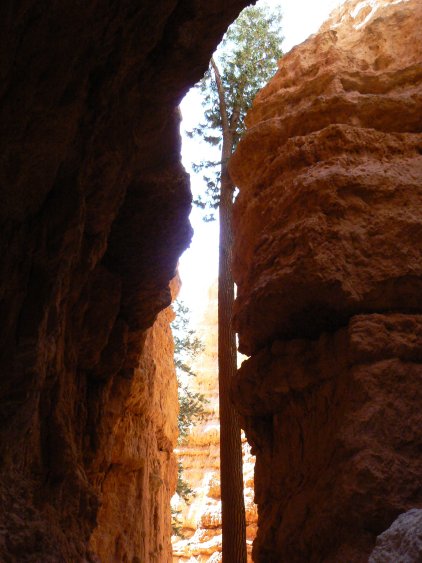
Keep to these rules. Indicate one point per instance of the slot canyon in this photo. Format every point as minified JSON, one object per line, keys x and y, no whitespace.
{"x":327,"y":262}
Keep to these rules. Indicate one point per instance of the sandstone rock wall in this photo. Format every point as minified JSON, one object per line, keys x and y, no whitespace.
{"x":328,"y":263}
{"x":93,"y":219}
{"x":134,"y":522}
{"x":200,"y":456}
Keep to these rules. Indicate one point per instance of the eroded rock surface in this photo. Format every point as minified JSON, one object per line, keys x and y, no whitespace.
{"x":402,"y":542}
{"x":328,"y":264}
{"x":335,"y":425}
{"x":138,"y":484}
{"x":93,"y":219}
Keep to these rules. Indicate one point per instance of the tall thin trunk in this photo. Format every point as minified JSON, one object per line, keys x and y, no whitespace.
{"x":231,"y":463}
{"x":233,"y":507}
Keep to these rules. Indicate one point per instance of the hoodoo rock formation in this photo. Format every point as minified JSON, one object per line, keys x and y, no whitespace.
{"x":200,"y":457}
{"x":328,"y":264}
{"x":93,"y":218}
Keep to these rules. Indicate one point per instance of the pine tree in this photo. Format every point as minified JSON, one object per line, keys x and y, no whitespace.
{"x":244,"y":62}
{"x":187,"y":346}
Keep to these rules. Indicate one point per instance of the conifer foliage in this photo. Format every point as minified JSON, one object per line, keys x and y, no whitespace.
{"x":187,"y":346}
{"x":243,"y":63}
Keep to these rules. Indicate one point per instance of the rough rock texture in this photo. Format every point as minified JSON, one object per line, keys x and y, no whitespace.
{"x":93,"y":218}
{"x":138,"y":484}
{"x":328,"y":263}
{"x":335,"y":425}
{"x":402,"y":542}
{"x":200,"y":456}
{"x":329,"y":215}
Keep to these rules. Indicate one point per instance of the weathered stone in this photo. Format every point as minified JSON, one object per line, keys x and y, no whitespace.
{"x":94,"y":216}
{"x":329,"y":215}
{"x":137,"y":485}
{"x":335,"y":426}
{"x":402,"y":542}
{"x":328,"y":264}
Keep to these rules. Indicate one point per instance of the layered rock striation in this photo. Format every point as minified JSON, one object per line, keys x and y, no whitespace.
{"x":328,"y":264}
{"x":93,"y":218}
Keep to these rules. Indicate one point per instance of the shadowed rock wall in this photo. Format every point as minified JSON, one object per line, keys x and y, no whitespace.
{"x":328,"y":264}
{"x":93,"y":219}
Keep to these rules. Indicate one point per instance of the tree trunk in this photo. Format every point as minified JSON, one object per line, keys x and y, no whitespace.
{"x":231,"y":462}
{"x":232,"y":501}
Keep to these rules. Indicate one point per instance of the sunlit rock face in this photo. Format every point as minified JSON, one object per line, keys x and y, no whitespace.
{"x":200,"y":456}
{"x":93,"y":218}
{"x":328,"y":264}
{"x":138,"y":485}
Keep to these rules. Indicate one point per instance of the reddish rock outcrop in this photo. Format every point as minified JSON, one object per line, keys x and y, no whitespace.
{"x":328,"y":263}
{"x":335,"y":424}
{"x":137,"y":486}
{"x":93,"y":219}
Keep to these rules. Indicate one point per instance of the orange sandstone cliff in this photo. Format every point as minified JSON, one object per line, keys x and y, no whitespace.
{"x":93,"y":217}
{"x":137,"y":486}
{"x":328,"y":264}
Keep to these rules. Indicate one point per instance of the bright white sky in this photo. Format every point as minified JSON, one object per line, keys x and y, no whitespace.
{"x":199,"y":264}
